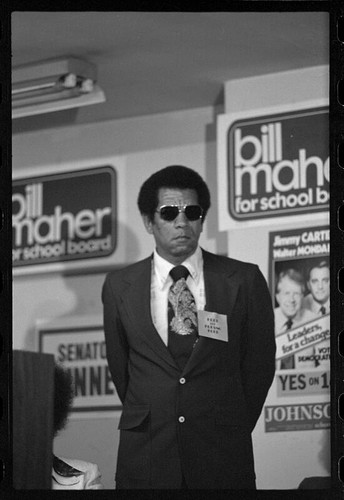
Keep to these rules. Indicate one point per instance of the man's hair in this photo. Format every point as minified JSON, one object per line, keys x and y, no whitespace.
{"x":63,"y":397}
{"x":173,"y":176}
{"x":293,"y":275}
{"x":318,"y":265}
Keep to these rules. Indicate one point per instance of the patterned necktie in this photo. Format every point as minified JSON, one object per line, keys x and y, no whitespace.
{"x":289,"y":361}
{"x":182,"y":317}
{"x":289,"y":324}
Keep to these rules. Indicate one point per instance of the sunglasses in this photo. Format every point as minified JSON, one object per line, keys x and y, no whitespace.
{"x":170,"y":212}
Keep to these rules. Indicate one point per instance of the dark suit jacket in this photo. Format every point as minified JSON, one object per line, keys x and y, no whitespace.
{"x":224,"y":386}
{"x":315,"y":483}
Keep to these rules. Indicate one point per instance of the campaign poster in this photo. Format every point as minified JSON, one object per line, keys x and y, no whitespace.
{"x":64,"y":218}
{"x":272,"y":164}
{"x":300,"y":286}
{"x":81,"y":350}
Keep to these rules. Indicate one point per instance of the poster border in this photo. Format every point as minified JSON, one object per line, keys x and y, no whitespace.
{"x":74,"y":324}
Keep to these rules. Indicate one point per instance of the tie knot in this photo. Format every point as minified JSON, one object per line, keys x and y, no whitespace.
{"x":289,"y":323}
{"x":323,"y":310}
{"x":179,"y":272}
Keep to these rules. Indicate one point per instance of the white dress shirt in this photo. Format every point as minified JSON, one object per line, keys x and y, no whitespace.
{"x":161,"y":282}
{"x":314,"y":306}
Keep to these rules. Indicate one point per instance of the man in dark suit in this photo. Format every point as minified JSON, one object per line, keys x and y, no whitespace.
{"x":192,"y":354}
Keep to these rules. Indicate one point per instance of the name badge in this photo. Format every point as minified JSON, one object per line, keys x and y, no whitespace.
{"x":212,"y":325}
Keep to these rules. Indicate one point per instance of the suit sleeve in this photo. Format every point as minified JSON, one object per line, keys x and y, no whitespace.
{"x":258,"y":347}
{"x":117,"y":349}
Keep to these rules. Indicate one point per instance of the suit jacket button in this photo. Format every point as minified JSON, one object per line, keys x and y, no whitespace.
{"x":181,"y":419}
{"x":182,"y":380}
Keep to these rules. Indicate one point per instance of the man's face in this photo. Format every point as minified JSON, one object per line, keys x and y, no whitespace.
{"x":289,"y":297}
{"x":319,"y":284}
{"x":175,"y":240}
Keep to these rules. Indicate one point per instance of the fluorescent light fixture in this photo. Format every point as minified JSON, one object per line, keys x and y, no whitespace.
{"x":54,"y":85}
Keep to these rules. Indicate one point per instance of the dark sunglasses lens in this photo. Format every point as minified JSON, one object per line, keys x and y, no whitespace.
{"x":169,"y":213}
{"x":193,"y":212}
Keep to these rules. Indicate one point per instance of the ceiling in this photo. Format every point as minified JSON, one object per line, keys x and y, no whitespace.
{"x":155,"y":62}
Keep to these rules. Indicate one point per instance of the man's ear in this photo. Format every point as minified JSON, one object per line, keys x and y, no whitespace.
{"x":148,"y":223}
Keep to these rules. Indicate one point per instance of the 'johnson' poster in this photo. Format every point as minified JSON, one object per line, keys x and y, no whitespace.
{"x":300,"y":287}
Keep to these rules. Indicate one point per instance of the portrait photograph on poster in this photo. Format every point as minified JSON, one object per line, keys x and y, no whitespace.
{"x":300,"y":286}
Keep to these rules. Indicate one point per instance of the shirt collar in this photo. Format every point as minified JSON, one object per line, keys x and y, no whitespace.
{"x":162,"y":267}
{"x":326,"y":305}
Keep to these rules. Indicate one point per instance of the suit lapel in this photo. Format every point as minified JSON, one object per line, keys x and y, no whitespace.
{"x":136,"y":299}
{"x":221,"y":289}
